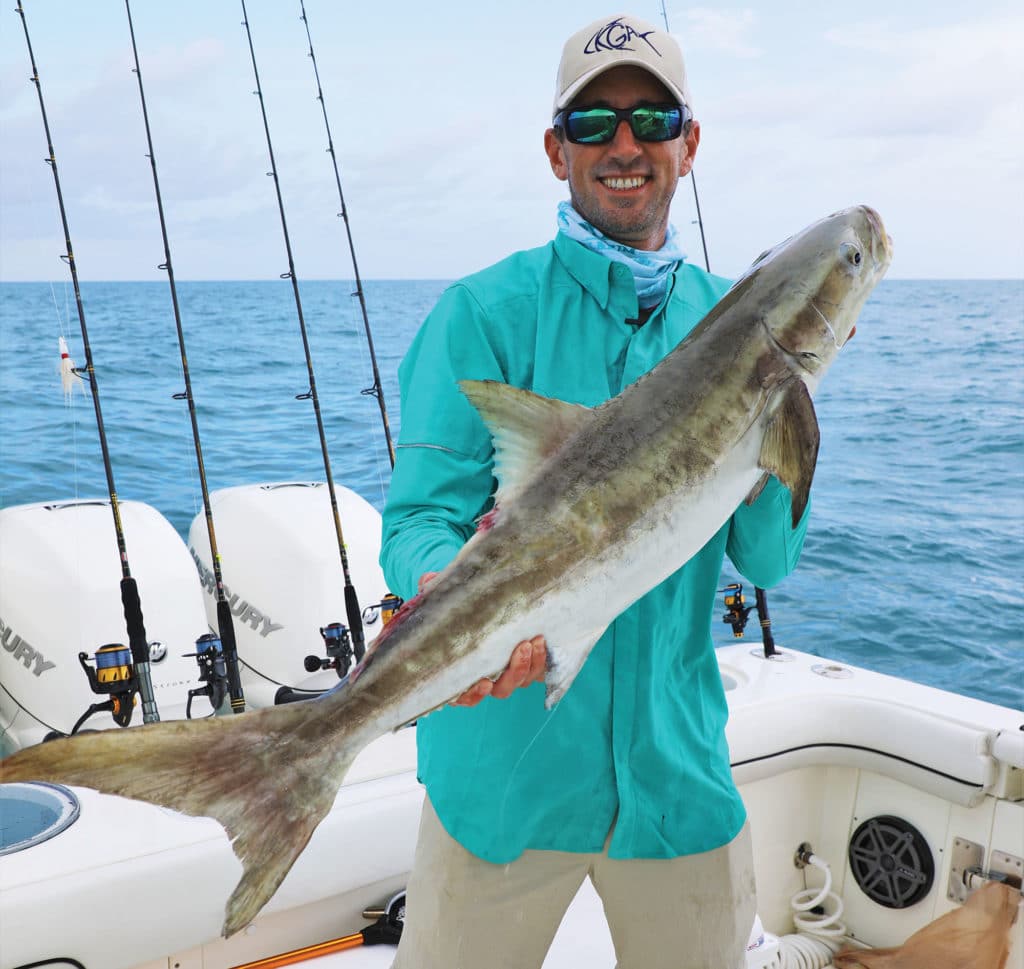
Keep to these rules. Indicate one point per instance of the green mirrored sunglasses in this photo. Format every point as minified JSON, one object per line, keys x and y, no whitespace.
{"x":648,"y":122}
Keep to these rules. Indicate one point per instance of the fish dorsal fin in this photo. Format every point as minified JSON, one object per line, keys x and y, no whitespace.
{"x":790,"y":446}
{"x":525,"y":427}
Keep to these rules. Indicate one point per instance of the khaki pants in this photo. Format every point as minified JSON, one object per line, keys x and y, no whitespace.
{"x":692,"y":912}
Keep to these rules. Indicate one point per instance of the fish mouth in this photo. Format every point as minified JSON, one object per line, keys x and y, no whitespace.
{"x":879,"y":237}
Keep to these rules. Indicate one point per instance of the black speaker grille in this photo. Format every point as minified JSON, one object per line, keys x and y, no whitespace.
{"x":891,"y":861}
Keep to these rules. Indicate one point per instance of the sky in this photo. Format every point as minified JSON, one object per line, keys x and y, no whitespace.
{"x":438,"y":111}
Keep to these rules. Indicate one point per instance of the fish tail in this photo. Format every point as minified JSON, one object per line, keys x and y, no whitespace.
{"x":269,"y":777}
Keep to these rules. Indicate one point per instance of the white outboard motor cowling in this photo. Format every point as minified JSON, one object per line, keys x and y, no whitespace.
{"x":283,"y":578}
{"x":60,"y":595}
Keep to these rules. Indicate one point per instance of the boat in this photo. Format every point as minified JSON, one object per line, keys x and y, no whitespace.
{"x":885,"y":802}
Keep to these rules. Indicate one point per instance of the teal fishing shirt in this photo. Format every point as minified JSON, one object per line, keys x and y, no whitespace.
{"x":639,"y":739}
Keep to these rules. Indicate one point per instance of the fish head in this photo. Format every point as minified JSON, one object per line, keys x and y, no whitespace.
{"x":821,"y":278}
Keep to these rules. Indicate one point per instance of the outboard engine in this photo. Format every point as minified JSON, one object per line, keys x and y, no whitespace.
{"x":284,"y":582}
{"x":60,"y":598}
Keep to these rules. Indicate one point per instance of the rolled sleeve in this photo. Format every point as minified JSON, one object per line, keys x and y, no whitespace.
{"x":763,"y":543}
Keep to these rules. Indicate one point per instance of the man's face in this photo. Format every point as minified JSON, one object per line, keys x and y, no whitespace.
{"x":624,"y":187}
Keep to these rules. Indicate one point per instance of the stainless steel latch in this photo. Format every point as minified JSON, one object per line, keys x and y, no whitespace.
{"x":967,"y":871}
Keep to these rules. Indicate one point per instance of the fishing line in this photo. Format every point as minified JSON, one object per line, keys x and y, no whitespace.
{"x":61,"y":320}
{"x":69,"y":398}
{"x":225,"y":625}
{"x":693,"y":177}
{"x":519,"y":762}
{"x":376,"y":390}
{"x":382,"y":480}
{"x":355,"y":622}
{"x":129,"y":589}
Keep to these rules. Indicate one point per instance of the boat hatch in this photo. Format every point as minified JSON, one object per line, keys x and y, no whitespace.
{"x":33,"y":812}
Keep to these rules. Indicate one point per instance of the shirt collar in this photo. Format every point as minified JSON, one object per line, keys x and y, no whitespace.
{"x":597,"y":275}
{"x":590,"y":269}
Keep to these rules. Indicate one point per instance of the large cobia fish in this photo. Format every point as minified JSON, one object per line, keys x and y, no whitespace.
{"x":594,"y":508}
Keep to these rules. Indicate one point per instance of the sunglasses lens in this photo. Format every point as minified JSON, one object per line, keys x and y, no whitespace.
{"x":656,"y":124}
{"x":591,"y":126}
{"x":597,"y":126}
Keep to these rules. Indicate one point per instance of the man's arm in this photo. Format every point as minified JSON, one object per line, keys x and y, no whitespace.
{"x":443,"y":476}
{"x":763,"y":544}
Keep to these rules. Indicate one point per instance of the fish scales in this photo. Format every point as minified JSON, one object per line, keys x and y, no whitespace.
{"x":594,"y":508}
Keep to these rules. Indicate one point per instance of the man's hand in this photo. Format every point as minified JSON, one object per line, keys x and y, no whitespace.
{"x":527,"y":665}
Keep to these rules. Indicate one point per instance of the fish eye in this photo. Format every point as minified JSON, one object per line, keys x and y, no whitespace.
{"x":852,"y":253}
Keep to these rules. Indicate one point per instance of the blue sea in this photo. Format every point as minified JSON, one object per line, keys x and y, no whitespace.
{"x":912,"y":560}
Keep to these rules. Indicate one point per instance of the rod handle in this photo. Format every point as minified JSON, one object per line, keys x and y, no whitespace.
{"x":133,"y":620}
{"x":227,"y":640}
{"x":139,"y":646}
{"x":355,"y":622}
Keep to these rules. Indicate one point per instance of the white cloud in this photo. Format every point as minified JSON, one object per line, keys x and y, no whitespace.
{"x":438,"y":133}
{"x":722,"y":31}
{"x":940,"y":79}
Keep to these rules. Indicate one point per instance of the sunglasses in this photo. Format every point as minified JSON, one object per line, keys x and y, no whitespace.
{"x":648,"y":122}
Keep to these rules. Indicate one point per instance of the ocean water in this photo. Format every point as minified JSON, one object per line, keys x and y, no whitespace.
{"x":912,"y":560}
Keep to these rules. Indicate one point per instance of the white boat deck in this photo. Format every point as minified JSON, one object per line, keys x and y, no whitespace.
{"x":816,"y":747}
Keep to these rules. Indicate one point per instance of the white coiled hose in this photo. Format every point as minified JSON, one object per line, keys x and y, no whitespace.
{"x":818,"y":937}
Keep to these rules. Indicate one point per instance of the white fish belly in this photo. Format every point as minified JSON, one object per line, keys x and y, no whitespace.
{"x":588,"y":598}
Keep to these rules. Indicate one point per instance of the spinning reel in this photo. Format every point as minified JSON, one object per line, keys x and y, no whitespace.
{"x":338,"y":640}
{"x":213,"y":671}
{"x":114,"y":677}
{"x":385,"y":609}
{"x":738,"y":612}
{"x":340,"y":653}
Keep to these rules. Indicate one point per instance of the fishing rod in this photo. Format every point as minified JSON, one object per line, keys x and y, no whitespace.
{"x":737,"y":615}
{"x":225,"y":625}
{"x":693,"y":178}
{"x":130,"y":601}
{"x":738,"y":612}
{"x":376,"y":390}
{"x":761,"y":597}
{"x":355,"y":622}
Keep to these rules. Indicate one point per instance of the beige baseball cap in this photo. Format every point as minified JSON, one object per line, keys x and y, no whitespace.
{"x":614,"y":42}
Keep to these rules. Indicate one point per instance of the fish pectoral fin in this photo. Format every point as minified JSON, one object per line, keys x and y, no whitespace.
{"x":755,"y":492}
{"x":525,"y":427}
{"x":790,"y":446}
{"x":565,"y":662}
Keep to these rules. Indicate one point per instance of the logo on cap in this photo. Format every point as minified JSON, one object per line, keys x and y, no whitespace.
{"x":617,"y":36}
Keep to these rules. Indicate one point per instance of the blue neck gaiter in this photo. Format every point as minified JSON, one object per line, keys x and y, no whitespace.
{"x":651,"y":269}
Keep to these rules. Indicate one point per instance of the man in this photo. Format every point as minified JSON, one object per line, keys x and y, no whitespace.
{"x":627,"y":779}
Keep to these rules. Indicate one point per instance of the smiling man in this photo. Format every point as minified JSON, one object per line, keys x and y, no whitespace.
{"x":627,"y":780}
